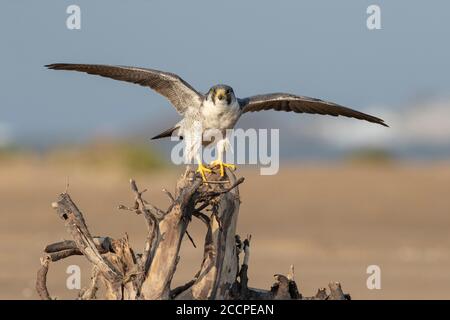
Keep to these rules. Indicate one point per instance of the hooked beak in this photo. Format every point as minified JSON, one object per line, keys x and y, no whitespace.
{"x":221,"y":94}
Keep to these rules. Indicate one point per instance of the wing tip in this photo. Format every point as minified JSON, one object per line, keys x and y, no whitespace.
{"x":55,"y":66}
{"x":381,"y":122}
{"x":166,"y":133}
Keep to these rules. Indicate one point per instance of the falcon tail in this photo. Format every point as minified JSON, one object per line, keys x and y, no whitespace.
{"x":165,"y":134}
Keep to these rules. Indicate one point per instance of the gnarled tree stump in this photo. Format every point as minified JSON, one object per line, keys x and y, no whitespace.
{"x":129,"y":275}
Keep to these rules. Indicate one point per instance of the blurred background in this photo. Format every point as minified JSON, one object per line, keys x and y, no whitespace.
{"x":349,"y":194}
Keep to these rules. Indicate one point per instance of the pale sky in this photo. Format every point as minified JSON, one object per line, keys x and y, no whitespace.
{"x":316,"y":48}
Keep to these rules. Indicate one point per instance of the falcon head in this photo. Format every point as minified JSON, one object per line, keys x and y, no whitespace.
{"x":221,"y":94}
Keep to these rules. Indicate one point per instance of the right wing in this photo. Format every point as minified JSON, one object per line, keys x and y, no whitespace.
{"x":179,"y":92}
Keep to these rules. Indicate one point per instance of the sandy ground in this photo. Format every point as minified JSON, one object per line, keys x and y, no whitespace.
{"x":330,"y":221}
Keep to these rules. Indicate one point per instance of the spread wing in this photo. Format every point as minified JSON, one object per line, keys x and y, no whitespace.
{"x":299,"y":104}
{"x":171,"y":86}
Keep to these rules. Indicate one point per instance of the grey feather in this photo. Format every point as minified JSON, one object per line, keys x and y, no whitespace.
{"x":178,"y":91}
{"x":166,"y":133}
{"x":300,"y":104}
{"x":210,"y":111}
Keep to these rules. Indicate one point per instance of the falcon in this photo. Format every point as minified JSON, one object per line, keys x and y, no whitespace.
{"x":218,"y":109}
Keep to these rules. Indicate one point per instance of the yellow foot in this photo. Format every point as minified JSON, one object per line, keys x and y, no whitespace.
{"x":202,"y":169}
{"x":222,"y":165}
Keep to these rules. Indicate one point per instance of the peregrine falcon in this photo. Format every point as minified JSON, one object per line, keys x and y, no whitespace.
{"x":218,"y":109}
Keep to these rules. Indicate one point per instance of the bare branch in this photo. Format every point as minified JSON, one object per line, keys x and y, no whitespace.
{"x":201,"y":216}
{"x":148,"y":209}
{"x":41,"y":279}
{"x":90,"y":292}
{"x":190,"y":239}
{"x":148,"y":275}
{"x":210,"y":195}
{"x":76,"y":226}
{"x":168,"y":194}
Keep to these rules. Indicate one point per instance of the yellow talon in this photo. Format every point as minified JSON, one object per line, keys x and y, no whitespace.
{"x":202,"y":169}
{"x":222,"y":165}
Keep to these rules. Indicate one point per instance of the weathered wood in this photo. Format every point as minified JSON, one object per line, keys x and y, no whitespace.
{"x":60,"y":250}
{"x":219,"y":268}
{"x":76,"y":226}
{"x":90,"y":292}
{"x":123,"y":259}
{"x":41,"y":279}
{"x":336,"y":292}
{"x":128,"y":275}
{"x":173,"y":227}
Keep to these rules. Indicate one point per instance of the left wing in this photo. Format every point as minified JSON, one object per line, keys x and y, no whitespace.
{"x":299,"y":104}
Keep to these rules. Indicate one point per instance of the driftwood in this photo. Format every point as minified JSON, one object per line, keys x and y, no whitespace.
{"x":128,"y":275}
